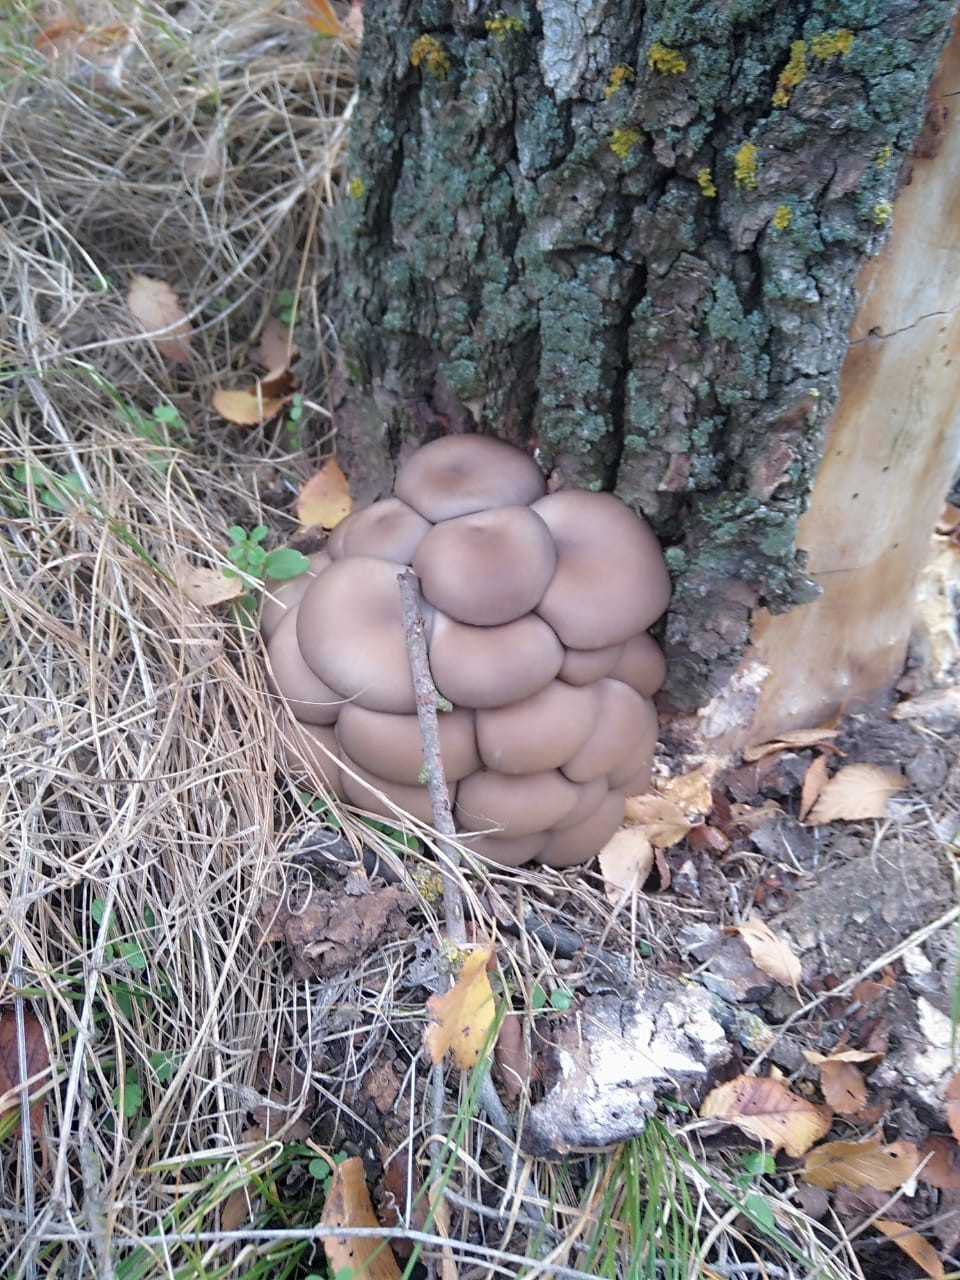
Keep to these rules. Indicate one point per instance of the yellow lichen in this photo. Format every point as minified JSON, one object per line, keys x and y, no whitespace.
{"x":621,"y":140}
{"x":882,"y":212}
{"x":501,"y":23}
{"x":883,"y":156}
{"x":355,"y":188}
{"x":745,"y":166}
{"x":782,"y":217}
{"x":619,"y":76}
{"x":427,"y":51}
{"x":706,"y":183}
{"x":669,"y":62}
{"x":792,"y":74}
{"x":831,"y":44}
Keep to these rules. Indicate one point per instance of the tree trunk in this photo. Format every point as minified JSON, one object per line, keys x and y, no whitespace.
{"x":629,"y":235}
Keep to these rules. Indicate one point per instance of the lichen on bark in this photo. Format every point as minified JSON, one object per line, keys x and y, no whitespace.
{"x":534,"y":252}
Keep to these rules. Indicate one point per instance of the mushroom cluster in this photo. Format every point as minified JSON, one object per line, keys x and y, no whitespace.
{"x":536,"y":608}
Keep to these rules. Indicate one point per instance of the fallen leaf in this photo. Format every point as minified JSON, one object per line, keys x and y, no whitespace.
{"x":856,"y":792}
{"x":844,"y":1087}
{"x":709,"y":839}
{"x":244,"y":409}
{"x":868,"y":990}
{"x":510,"y":1056}
{"x":663,"y":822}
{"x":861,"y":1164}
{"x":796,"y":740}
{"x":321,"y":16}
{"x":626,"y":861}
{"x":771,"y":952}
{"x":202,"y":158}
{"x":156,"y":308}
{"x":35,"y":1048}
{"x":206,"y":587}
{"x":325,"y":499}
{"x":769,"y":1111}
{"x":402,"y":1201}
{"x":58,"y":36}
{"x":814,"y":780}
{"x":692,"y":792}
{"x":464,"y":1014}
{"x":914,"y":1246}
{"x":280,"y":381}
{"x":276,"y":349}
{"x":348,"y":1204}
{"x":236,"y":1210}
{"x":940,"y":1157}
{"x":748,"y":817}
{"x":952,"y":1106}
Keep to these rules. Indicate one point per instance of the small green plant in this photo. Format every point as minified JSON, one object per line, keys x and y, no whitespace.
{"x":753,"y":1165}
{"x":559,"y":999}
{"x":287,"y":303}
{"x":54,"y":490}
{"x":294,"y":423}
{"x":254,"y":563}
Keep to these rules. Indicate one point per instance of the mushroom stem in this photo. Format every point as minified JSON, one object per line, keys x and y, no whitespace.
{"x":428,"y":700}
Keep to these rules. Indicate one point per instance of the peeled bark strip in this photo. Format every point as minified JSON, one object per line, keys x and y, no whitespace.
{"x":629,"y":234}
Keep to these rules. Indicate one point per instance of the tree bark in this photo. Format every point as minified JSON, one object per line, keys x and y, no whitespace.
{"x":628,"y":235}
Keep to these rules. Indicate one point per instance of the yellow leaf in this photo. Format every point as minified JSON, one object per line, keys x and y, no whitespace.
{"x":662,"y":821}
{"x":246,"y":410}
{"x":861,"y":1164}
{"x":320,"y":16}
{"x":914,"y":1246}
{"x":206,"y":587}
{"x":692,"y":792}
{"x":626,"y":860}
{"x":348,"y":1204}
{"x":464,"y":1014}
{"x":325,"y":498}
{"x":156,"y":308}
{"x":771,"y":952}
{"x":856,"y":792}
{"x":766,"y":1109}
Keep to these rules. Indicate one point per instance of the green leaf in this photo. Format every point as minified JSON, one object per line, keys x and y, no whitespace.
{"x":258,"y":533}
{"x":284,"y":562}
{"x":561,"y":998}
{"x":320,"y":1170}
{"x":237,"y":533}
{"x":132,"y":1098}
{"x":132,"y":953}
{"x":538,"y":998}
{"x":758,"y":1208}
{"x":166,"y":413}
{"x":98,"y":909}
{"x":237,"y":555}
{"x":256,"y":558}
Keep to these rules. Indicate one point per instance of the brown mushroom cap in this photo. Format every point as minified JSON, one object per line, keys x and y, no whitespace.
{"x":388,"y":529}
{"x":537,"y":733}
{"x":508,"y":852}
{"x":350,"y":632}
{"x":641,"y":665}
{"x":307,"y":696}
{"x":626,"y":724}
{"x":583,"y":666}
{"x":456,"y":475}
{"x":512,"y":805}
{"x":579,"y":843}
{"x":361,"y":788}
{"x":611,"y":581}
{"x":280,"y":597}
{"x":487,"y":568}
{"x":303,"y":754}
{"x":390,"y":746}
{"x":592,"y":795}
{"x":493,"y":666}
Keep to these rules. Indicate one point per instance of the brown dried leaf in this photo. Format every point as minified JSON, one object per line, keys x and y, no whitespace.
{"x":37,"y":1062}
{"x":861,"y":1164}
{"x":941,"y":1162}
{"x":464,"y":1014}
{"x":245,"y":409}
{"x":952,"y":1105}
{"x":626,"y":861}
{"x":856,"y":792}
{"x":771,"y":952}
{"x":814,"y":780}
{"x":748,"y":817}
{"x":236,"y":1210}
{"x":348,"y":1204}
{"x":705,"y":838}
{"x":844,"y":1087}
{"x":795,"y":740}
{"x":206,"y":587}
{"x":156,"y":308}
{"x":325,"y":499}
{"x":914,"y":1246}
{"x":276,"y":349}
{"x":280,"y":381}
{"x":511,"y":1057}
{"x":692,"y":792}
{"x":769,"y":1111}
{"x":663,"y":822}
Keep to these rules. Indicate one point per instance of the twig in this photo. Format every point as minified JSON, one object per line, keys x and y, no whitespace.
{"x":428,"y":702}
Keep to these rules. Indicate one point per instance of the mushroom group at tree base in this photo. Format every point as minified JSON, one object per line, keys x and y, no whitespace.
{"x":536,"y":608}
